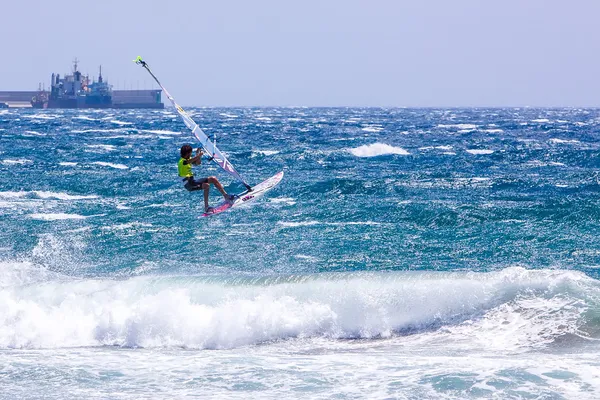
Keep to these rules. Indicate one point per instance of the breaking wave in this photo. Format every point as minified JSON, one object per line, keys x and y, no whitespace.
{"x":515,"y":308}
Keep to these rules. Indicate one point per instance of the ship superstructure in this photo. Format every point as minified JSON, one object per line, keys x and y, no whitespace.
{"x":76,"y":90}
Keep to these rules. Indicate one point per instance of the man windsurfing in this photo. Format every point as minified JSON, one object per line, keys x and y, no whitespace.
{"x":184,"y":167}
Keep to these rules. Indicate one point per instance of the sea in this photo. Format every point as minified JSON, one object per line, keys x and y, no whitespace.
{"x":407,"y":254}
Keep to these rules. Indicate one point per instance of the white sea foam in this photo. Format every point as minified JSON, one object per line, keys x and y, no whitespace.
{"x":67,"y":164}
{"x":492,"y":312}
{"x":264,"y":152}
{"x":464,"y":127}
{"x":479,"y":151}
{"x":111,"y":165}
{"x":21,"y":273}
{"x":114,"y":121}
{"x":102,"y":147}
{"x":20,"y":161}
{"x":55,"y":217}
{"x":62,"y":196}
{"x":297,"y":224}
{"x":97,"y":130}
{"x":540,"y":120}
{"x":377,"y":149}
{"x":290,"y":224}
{"x":127,"y":226}
{"x":306,"y":257}
{"x":162,"y":132}
{"x":537,"y":163}
{"x":41,"y":116}
{"x":436,"y":147}
{"x":85,"y":118}
{"x":288,"y":200}
{"x":496,"y":130}
{"x":372,"y":128}
{"x":564,"y":141}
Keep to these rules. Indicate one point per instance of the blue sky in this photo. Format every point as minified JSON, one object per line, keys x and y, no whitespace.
{"x":316,"y":53}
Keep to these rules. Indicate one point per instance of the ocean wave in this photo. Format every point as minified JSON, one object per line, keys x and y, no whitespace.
{"x":98,"y":130}
{"x":55,"y":216}
{"x":85,"y":118}
{"x":46,"y":195}
{"x":115,"y":121}
{"x":462,"y":127}
{"x":264,"y":152}
{"x":111,"y":165}
{"x":41,"y":116}
{"x":162,"y":132}
{"x":529,"y":309}
{"x":372,"y":128}
{"x":564,"y":141}
{"x":20,"y":161}
{"x":377,"y":149}
{"x":479,"y":151}
{"x":100,"y":147}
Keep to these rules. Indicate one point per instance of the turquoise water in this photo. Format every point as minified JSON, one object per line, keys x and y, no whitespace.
{"x":408,"y":253}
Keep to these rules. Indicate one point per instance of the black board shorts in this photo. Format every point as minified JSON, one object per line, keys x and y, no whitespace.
{"x":191,"y":184}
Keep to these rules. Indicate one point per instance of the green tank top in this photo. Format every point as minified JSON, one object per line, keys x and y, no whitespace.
{"x":185,"y":170}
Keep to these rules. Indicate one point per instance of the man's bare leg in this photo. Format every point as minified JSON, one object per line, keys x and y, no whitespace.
{"x":206,"y":188}
{"x":215,"y":181}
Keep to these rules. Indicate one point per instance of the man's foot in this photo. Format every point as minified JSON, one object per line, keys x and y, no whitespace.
{"x":230,"y":197}
{"x":209,"y":210}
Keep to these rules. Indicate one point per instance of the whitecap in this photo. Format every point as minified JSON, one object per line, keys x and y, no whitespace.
{"x":111,"y":165}
{"x":55,"y":217}
{"x":46,"y":195}
{"x":97,"y":130}
{"x":566,"y":141}
{"x":63,"y":196}
{"x":85,"y":118}
{"x":288,"y":200}
{"x":104,"y":147}
{"x":15,"y":162}
{"x":372,"y":128}
{"x":464,"y":127}
{"x":161,"y":132}
{"x":297,"y":224}
{"x":114,"y":121}
{"x":377,"y":149}
{"x":479,"y":151}
{"x":264,"y":152}
{"x":40,"y":116}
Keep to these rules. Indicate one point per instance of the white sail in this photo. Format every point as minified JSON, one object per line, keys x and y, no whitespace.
{"x":209,"y":147}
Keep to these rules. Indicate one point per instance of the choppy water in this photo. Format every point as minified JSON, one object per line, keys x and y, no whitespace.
{"x":408,"y":253}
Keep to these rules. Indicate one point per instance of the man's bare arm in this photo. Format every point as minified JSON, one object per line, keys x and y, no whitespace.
{"x":197,"y":160}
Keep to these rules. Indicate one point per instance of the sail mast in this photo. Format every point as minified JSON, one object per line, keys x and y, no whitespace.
{"x":209,"y":147}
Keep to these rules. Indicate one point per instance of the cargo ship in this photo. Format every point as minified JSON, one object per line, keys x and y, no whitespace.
{"x":78,"y":91}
